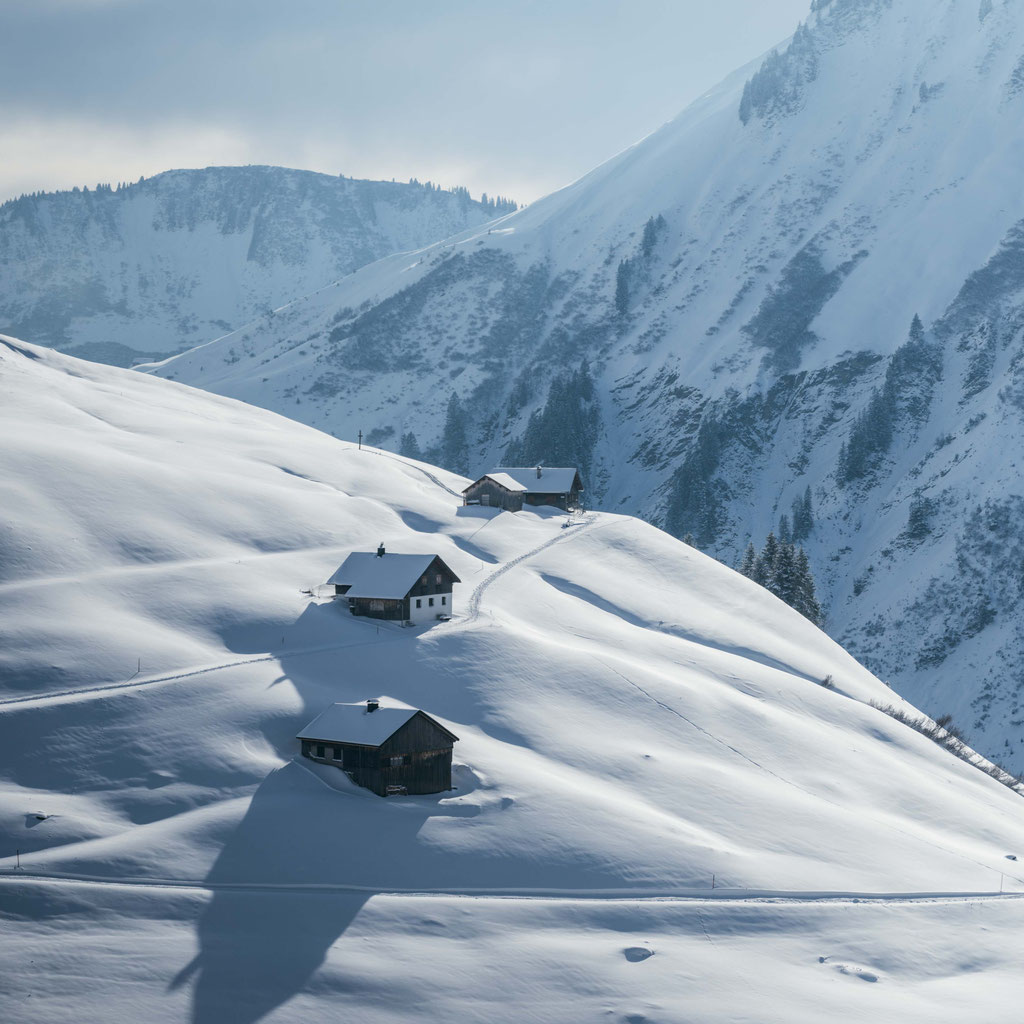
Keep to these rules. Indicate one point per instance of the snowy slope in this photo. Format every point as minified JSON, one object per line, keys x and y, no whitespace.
{"x":873,"y":175}
{"x":634,"y":718}
{"x":190,"y":254}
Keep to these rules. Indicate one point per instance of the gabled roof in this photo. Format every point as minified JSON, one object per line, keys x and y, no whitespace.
{"x":552,"y":479}
{"x":353,"y":723}
{"x":500,"y":478}
{"x":389,"y":576}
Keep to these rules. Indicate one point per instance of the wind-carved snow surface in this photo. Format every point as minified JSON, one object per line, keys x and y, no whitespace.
{"x":637,"y":723}
{"x":158,"y":266}
{"x":873,"y":176}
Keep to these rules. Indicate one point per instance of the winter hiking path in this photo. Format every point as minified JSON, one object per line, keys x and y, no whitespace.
{"x":103,"y":689}
{"x":473,"y":605}
{"x":132,"y":684}
{"x":720,"y":894}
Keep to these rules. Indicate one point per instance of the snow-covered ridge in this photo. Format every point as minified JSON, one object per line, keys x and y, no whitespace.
{"x":187,"y":255}
{"x":636,"y":722}
{"x":739,"y":292}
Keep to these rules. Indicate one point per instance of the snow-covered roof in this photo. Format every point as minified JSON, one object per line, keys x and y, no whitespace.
{"x":552,"y":479}
{"x":389,"y":576}
{"x":353,"y":723}
{"x":504,"y":480}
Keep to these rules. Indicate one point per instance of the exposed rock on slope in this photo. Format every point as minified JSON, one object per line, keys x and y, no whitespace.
{"x":742,"y":284}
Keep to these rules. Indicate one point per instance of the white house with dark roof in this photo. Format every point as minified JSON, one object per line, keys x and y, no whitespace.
{"x":512,"y":487}
{"x":400,"y":587}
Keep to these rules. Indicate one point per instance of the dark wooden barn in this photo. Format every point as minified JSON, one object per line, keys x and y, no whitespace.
{"x":404,"y":588}
{"x":512,"y":487}
{"x":390,"y":750}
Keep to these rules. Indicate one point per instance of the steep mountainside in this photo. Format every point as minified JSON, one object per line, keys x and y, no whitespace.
{"x":636,"y":723}
{"x":168,"y":262}
{"x":723,"y":316}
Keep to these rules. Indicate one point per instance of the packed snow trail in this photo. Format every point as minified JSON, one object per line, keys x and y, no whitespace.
{"x":104,"y":688}
{"x":649,"y":895}
{"x":473,"y":605}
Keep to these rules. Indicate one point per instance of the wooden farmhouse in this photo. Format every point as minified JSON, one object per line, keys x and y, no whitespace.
{"x":404,"y":588}
{"x":512,"y":487}
{"x":390,"y":750}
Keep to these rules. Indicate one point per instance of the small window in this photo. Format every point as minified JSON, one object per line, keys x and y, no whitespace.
{"x":321,"y":750}
{"x":430,"y":601}
{"x":444,"y":599}
{"x":424,"y":581}
{"x":437,"y":578}
{"x":339,"y":753}
{"x":419,"y":603}
{"x":397,"y":762}
{"x":305,"y":748}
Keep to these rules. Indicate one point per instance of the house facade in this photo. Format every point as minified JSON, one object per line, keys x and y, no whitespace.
{"x":390,"y":750}
{"x":398,"y":587}
{"x":513,"y":487}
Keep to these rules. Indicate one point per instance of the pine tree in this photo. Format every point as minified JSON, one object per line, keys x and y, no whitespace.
{"x":622,"y":287}
{"x":649,"y":238}
{"x":767,"y":561}
{"x":409,"y":446}
{"x":805,"y":601}
{"x":785,"y":531}
{"x":748,"y":565}
{"x":802,"y":516}
{"x":454,"y":443}
{"x":784,"y":576}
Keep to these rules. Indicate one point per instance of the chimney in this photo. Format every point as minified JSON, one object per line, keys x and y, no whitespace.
{"x":372,"y":705}
{"x":538,"y":472}
{"x":380,"y":550}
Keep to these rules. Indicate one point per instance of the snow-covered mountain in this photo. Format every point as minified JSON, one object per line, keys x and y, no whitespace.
{"x":166,"y":263}
{"x":721,"y":317}
{"x":636,"y":722}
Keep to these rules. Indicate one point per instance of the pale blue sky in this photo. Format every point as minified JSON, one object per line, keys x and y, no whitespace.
{"x":517,"y":98}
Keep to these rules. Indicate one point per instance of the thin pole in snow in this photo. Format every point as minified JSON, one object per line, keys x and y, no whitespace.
{"x":360,"y":440}
{"x":19,"y":861}
{"x":712,"y":881}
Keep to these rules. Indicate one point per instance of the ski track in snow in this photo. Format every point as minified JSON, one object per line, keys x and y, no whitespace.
{"x":650,"y":895}
{"x":473,"y":606}
{"x":105,"y":688}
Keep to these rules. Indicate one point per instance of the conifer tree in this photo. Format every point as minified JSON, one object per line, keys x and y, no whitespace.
{"x":767,"y":561}
{"x":409,"y":446}
{"x":748,"y":564}
{"x":784,"y":583}
{"x":622,"y":287}
{"x":803,"y":516}
{"x":805,"y":600}
{"x":785,"y":531}
{"x":454,"y":443}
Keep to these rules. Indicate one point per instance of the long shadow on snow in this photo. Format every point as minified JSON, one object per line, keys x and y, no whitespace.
{"x":257,"y":949}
